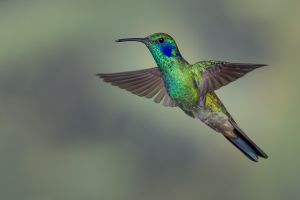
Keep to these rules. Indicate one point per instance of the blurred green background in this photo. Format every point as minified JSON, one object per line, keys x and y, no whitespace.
{"x":67,"y":135}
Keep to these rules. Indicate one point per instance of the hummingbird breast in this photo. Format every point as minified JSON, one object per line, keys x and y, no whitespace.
{"x":181,"y":88}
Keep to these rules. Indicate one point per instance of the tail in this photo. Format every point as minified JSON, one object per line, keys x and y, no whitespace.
{"x":239,"y":139}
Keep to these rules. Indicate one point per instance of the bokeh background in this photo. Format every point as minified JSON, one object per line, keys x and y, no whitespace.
{"x":65,"y":134}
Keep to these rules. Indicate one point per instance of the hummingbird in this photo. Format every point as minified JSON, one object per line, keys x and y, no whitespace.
{"x":191,"y":87}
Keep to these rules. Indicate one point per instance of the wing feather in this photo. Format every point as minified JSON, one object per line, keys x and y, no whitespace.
{"x":222,"y":73}
{"x":145,"y":83}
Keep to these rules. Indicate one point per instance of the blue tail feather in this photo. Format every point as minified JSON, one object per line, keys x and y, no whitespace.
{"x":244,"y":147}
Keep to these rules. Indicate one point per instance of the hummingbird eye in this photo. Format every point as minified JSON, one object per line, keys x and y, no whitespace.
{"x":161,"y":40}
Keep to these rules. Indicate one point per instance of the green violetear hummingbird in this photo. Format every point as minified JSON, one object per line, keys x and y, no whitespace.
{"x":188,"y":86}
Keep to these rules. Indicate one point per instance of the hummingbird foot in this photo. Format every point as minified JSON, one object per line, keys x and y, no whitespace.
{"x":202,"y":100}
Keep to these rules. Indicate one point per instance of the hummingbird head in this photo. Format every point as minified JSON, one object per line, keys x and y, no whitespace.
{"x":162,"y":47}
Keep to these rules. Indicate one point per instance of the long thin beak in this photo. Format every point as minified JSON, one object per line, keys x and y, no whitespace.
{"x":143,"y":40}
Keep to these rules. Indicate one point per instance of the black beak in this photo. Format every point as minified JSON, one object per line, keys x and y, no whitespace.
{"x":143,"y":40}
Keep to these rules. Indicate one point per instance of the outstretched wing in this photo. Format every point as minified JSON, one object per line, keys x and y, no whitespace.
{"x":145,"y":83}
{"x":221,"y":73}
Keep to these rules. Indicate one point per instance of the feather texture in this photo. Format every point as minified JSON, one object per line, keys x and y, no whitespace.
{"x":220,"y":74}
{"x":145,"y":83}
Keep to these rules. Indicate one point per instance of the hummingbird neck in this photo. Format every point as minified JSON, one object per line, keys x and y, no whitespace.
{"x":172,"y":63}
{"x":168,"y":59}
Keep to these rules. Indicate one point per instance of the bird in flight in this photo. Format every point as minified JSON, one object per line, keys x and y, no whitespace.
{"x":190,"y":87}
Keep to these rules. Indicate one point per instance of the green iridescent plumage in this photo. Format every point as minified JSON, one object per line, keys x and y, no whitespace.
{"x":189,"y":86}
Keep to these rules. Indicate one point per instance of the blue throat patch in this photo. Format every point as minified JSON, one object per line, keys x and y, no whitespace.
{"x":167,"y":50}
